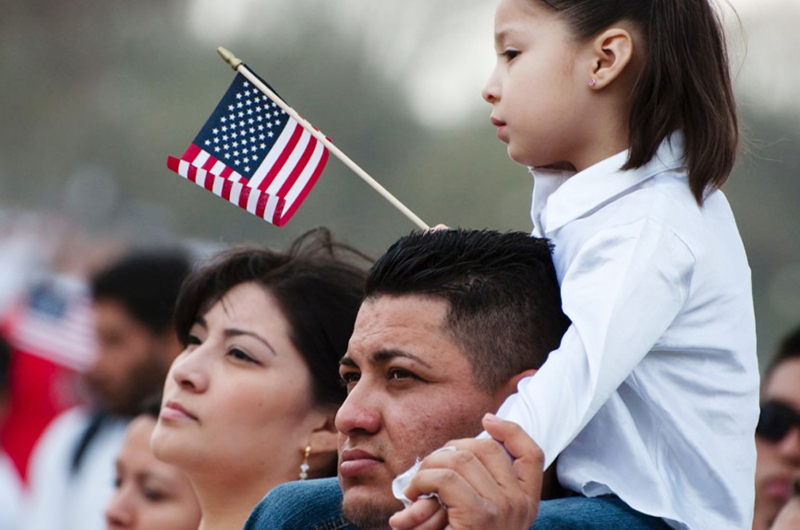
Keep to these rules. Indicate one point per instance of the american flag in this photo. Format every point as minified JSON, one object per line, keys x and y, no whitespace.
{"x":252,"y":153}
{"x":56,"y":322}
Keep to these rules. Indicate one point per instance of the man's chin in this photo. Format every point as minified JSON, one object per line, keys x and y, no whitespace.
{"x":367,"y":508}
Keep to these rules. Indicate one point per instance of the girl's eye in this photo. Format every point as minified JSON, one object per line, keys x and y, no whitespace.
{"x":117,"y":482}
{"x":193,"y":340}
{"x":510,"y":55}
{"x":240,"y":355}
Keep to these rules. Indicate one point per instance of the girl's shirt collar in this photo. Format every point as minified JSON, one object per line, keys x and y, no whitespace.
{"x":560,"y":197}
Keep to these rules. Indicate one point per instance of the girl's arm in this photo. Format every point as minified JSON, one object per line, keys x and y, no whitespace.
{"x":622,"y":290}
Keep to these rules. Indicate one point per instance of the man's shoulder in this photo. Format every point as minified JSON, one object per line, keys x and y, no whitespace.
{"x":301,"y":505}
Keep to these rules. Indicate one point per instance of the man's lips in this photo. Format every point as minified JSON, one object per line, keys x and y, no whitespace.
{"x":173,"y":410}
{"x":355,"y":462}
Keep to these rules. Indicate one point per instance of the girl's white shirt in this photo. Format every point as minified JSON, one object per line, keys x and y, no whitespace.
{"x":653,"y":392}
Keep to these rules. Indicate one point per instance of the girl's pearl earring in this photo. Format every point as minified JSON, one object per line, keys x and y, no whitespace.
{"x":592,"y":82}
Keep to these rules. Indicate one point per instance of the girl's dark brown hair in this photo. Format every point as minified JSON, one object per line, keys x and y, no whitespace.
{"x":684,"y":85}
{"x":317,"y":285}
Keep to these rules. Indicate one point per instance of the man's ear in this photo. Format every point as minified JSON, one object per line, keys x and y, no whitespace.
{"x":612,"y":51}
{"x":511,"y":385}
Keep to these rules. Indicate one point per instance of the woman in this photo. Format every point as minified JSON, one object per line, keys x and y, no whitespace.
{"x":149,"y":494}
{"x":250,"y":402}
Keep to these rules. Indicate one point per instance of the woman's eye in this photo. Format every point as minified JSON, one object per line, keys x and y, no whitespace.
{"x":240,"y":355}
{"x":117,"y":482}
{"x":152,"y":494}
{"x":192,"y":341}
{"x":510,"y":54}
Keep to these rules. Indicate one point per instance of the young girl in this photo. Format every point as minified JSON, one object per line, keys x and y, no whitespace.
{"x":624,"y":112}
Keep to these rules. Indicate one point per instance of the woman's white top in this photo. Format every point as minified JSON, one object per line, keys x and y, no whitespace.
{"x":653,"y":393}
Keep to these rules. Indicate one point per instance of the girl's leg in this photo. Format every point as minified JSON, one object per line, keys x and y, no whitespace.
{"x":598,"y":513}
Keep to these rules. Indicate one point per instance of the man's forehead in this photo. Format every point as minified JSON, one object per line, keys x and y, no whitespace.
{"x":410,"y":324}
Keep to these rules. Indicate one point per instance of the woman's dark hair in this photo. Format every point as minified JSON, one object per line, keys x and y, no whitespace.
{"x":316,"y":284}
{"x":684,"y":85}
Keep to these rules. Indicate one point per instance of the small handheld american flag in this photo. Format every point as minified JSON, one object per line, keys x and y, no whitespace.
{"x":252,"y":153}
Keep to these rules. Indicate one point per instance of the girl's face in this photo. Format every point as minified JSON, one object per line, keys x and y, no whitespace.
{"x":150,"y":495}
{"x":237,"y":401}
{"x":539,"y":87}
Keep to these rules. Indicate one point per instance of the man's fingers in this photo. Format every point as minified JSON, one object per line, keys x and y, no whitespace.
{"x":423,"y":514}
{"x":528,"y":457}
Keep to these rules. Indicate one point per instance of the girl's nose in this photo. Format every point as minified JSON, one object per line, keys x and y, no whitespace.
{"x":491,"y":92}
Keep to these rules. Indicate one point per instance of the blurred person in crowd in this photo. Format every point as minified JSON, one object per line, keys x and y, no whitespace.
{"x":10,"y":486}
{"x":778,"y":433}
{"x":72,"y":468}
{"x":789,"y":516}
{"x":149,"y":494}
{"x":250,"y":402}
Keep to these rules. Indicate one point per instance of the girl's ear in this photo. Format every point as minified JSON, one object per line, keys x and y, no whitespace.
{"x":612,"y":52}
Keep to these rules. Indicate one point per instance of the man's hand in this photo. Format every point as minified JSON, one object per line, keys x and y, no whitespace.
{"x":479,"y":484}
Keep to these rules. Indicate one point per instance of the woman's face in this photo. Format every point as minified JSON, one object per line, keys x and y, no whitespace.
{"x":150,"y":495}
{"x":237,"y":401}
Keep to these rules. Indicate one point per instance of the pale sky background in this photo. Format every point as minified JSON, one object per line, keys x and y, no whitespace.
{"x":443,"y":52}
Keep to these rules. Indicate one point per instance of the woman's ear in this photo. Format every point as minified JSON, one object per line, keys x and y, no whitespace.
{"x":323,"y":439}
{"x":612,"y":52}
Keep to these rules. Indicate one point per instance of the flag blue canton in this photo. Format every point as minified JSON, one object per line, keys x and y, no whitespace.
{"x":243,"y":128}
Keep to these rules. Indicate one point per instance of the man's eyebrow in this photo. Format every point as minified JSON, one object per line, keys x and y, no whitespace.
{"x":234,"y":332}
{"x":384,"y":356}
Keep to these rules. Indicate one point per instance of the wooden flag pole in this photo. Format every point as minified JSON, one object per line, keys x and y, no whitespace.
{"x":238,"y":65}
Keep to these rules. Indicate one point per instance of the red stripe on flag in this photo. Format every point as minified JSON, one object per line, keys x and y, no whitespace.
{"x":209,"y":163}
{"x":298,"y":168}
{"x":226,"y":189}
{"x":287,"y":151}
{"x":209,"y":183}
{"x":227,"y":172}
{"x":191,"y":153}
{"x":243,"y":197}
{"x":173,"y":163}
{"x":262,"y":204}
{"x":281,"y":220}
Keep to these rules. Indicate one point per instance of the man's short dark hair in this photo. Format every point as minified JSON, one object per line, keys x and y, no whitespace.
{"x":503,"y":294}
{"x":789,"y":349}
{"x":146,"y":284}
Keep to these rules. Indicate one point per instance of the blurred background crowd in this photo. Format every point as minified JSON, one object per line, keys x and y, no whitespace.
{"x":96,"y":94}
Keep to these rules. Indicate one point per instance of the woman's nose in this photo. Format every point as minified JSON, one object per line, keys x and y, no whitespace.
{"x":119,"y":513}
{"x":189,"y":370}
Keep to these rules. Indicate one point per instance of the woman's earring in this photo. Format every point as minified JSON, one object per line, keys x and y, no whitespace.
{"x":304,"y":466}
{"x":592,"y":82}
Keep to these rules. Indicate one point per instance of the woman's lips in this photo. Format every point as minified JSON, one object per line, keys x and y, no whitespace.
{"x":501,"y":127}
{"x":173,"y":410}
{"x":355,"y":462}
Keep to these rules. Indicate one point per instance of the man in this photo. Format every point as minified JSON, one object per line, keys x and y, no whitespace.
{"x":72,"y":471}
{"x":778,"y":433}
{"x":452,"y":320}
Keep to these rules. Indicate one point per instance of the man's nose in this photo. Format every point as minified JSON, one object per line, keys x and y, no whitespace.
{"x":360,"y":412}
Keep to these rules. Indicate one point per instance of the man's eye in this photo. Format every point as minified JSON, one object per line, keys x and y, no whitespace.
{"x":349,"y":378}
{"x":398,"y":374}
